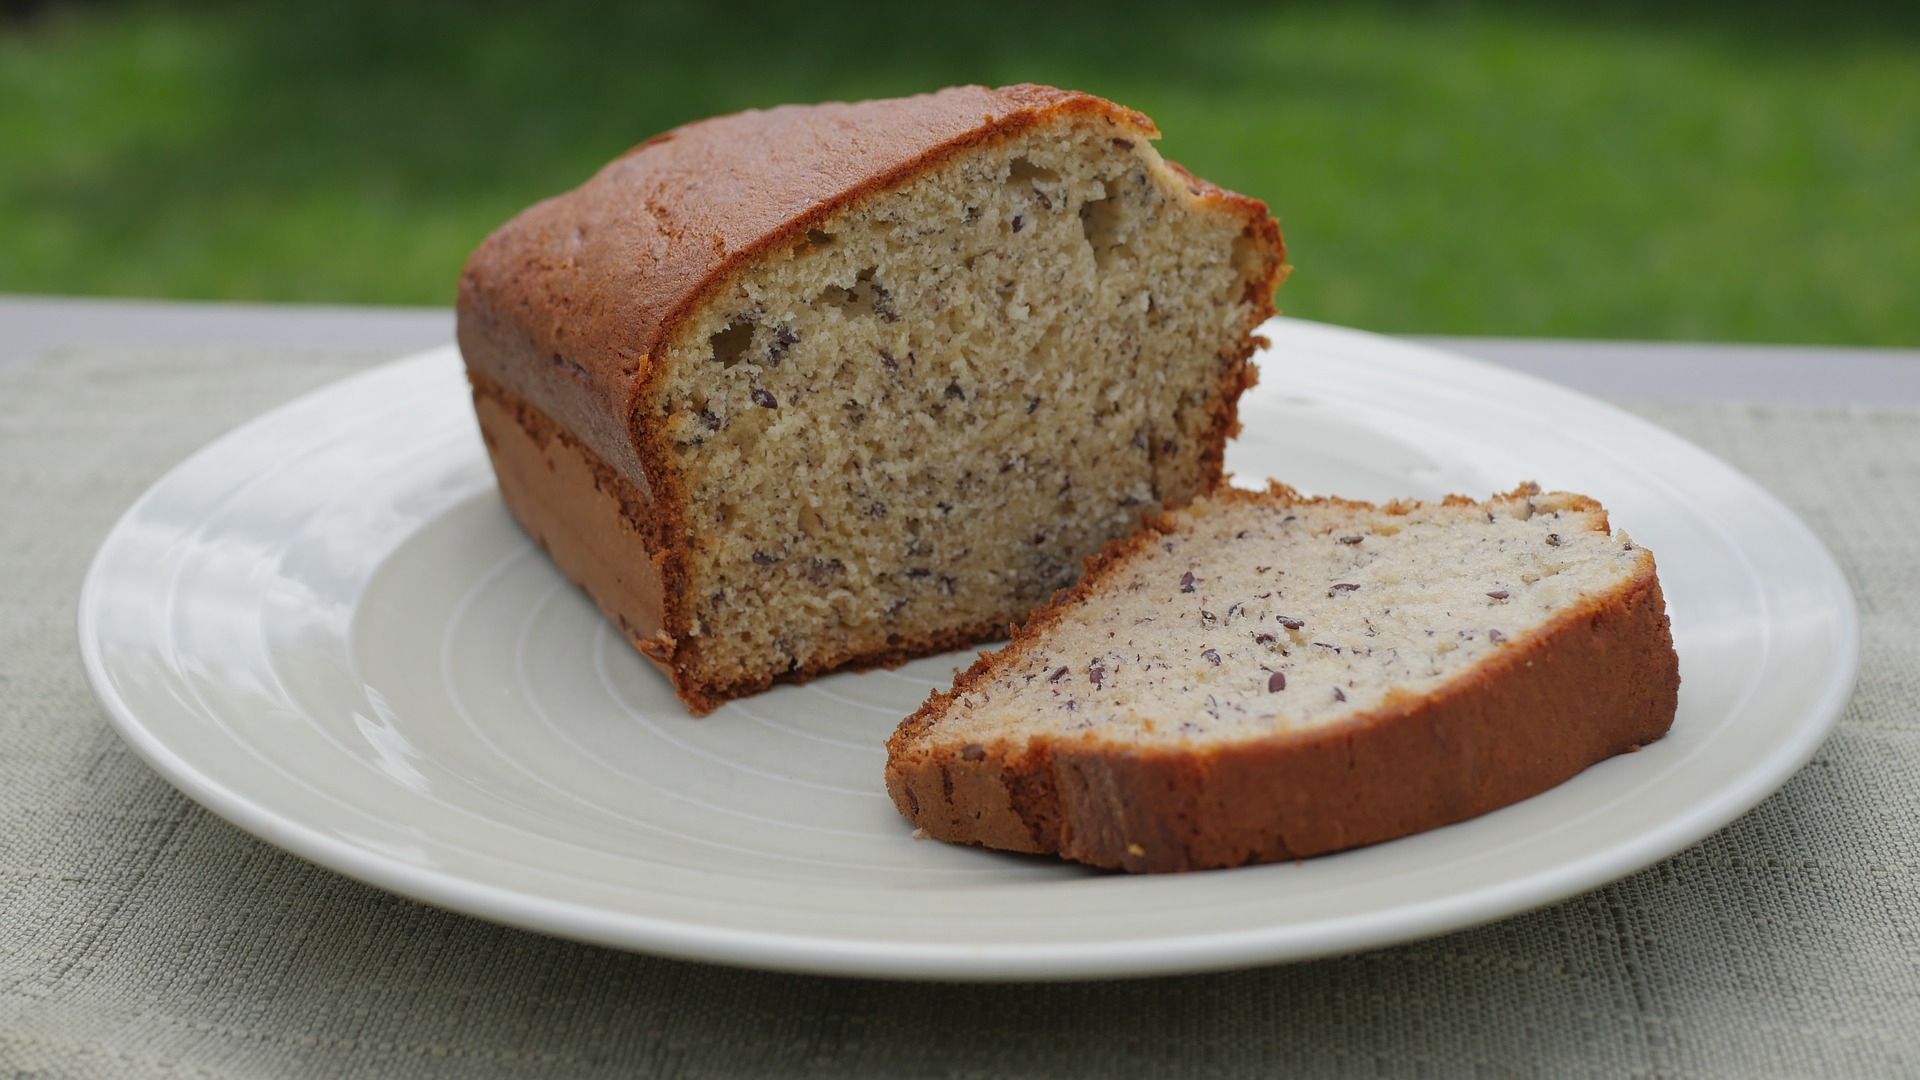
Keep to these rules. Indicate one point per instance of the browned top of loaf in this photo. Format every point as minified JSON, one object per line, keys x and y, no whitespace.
{"x":599,"y":278}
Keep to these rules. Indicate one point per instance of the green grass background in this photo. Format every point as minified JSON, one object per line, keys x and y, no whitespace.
{"x":1680,"y":170}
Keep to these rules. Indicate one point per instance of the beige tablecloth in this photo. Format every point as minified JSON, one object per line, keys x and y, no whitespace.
{"x":140,"y":935}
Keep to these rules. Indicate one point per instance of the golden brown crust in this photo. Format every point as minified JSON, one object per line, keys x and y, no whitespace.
{"x":567,"y":303}
{"x":564,"y":310}
{"x":1605,"y":671}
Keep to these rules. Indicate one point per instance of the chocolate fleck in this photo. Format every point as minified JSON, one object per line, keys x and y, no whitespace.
{"x":1496,"y":636}
{"x":823,"y":571}
{"x":1339,"y":694}
{"x":1553,"y":539}
{"x":1032,"y":404}
{"x":887,"y":359}
{"x":1124,"y":144}
{"x":1096,"y":675}
{"x":1351,"y":539}
{"x":708,"y":418}
{"x":1208,"y":616}
{"x":1264,"y":639}
{"x":783,"y":339}
{"x":973,"y":751}
{"x":1212,"y":656}
{"x":1291,"y":624}
{"x":1186,"y":581}
{"x":1018,"y":221}
{"x":1501,"y":595}
{"x":883,"y":302}
{"x":1276,"y":682}
{"x":764,"y":398}
{"x":954,"y":392}
{"x":1342,"y":587}
{"x":1058,"y":675}
{"x":761,"y":558}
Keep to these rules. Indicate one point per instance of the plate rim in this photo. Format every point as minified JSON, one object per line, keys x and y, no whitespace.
{"x":951,"y":961}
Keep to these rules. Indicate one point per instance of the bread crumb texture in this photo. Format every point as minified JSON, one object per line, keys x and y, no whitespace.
{"x":1285,"y":617}
{"x":926,"y":412}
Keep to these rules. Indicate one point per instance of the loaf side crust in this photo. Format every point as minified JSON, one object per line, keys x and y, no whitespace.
{"x":593,"y":524}
{"x":1606,"y":668}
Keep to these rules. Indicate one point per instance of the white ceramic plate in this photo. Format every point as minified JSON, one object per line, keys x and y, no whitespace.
{"x":325,"y":627}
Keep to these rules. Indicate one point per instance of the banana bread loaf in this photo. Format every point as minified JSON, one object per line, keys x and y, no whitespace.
{"x":1264,"y":676}
{"x":838,"y":385}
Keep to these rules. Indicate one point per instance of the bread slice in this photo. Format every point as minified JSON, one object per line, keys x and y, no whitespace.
{"x":839,"y":385}
{"x":1265,"y":676}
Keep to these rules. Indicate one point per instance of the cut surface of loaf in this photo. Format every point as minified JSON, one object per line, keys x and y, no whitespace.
{"x":1264,"y":676}
{"x":839,"y":385}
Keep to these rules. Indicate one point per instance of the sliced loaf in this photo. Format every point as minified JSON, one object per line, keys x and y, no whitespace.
{"x":838,"y":385}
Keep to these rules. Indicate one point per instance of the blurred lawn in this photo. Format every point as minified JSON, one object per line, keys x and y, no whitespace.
{"x":1682,"y":170}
